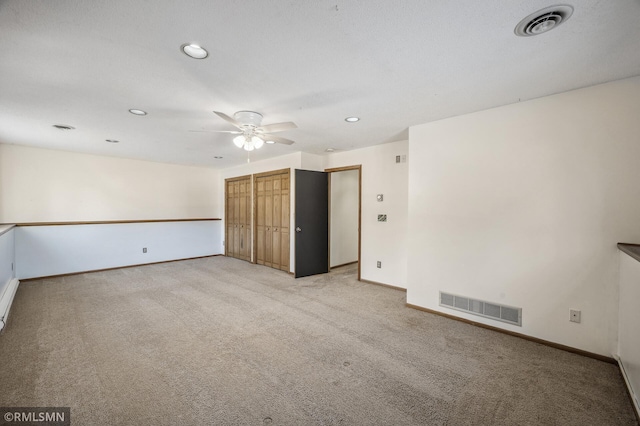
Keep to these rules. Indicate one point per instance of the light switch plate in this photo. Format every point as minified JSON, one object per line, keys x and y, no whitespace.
{"x":574,"y":316}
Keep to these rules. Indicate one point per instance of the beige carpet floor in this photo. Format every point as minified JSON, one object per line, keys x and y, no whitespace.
{"x":219,"y":341}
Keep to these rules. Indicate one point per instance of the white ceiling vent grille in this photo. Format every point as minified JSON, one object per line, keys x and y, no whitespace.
{"x":543,"y":20}
{"x":481,"y":308}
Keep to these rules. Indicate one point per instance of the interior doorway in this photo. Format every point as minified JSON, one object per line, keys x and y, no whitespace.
{"x":345,"y":208}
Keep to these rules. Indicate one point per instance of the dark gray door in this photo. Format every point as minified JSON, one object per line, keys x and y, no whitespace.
{"x":312,"y":223}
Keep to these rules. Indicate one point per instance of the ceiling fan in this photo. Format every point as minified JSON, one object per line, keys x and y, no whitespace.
{"x":251,"y":135}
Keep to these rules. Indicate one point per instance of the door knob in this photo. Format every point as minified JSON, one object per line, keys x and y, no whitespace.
{"x":298,"y":229}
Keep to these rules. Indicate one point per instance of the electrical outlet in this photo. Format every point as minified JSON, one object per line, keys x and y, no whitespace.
{"x":380,"y":197}
{"x":379,"y":264}
{"x":574,"y":316}
{"x":144,"y":249}
{"x":382,"y":218}
{"x":397,"y":158}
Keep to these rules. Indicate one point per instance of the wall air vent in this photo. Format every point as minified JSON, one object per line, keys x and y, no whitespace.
{"x":543,"y":20}
{"x":481,"y":308}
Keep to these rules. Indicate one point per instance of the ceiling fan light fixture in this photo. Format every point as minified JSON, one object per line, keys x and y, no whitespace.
{"x":248,"y":143}
{"x":194,"y":51}
{"x":251,"y":134}
{"x":239,"y":141}
{"x":257,"y":142}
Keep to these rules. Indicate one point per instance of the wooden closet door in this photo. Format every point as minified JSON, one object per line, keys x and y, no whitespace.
{"x":238,"y":217}
{"x":284,"y":222}
{"x":268,"y":221}
{"x":276,"y":213}
{"x":261,"y":228}
{"x":228,"y":217}
{"x":272,"y":219}
{"x":244,"y":219}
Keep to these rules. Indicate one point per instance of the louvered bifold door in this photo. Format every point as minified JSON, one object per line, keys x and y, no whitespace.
{"x":272,"y":220}
{"x":238,"y":218}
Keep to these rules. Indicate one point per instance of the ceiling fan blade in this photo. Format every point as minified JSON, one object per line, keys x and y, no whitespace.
{"x":277,"y":127}
{"x":276,"y":139}
{"x":227,"y":118}
{"x":235,"y":132}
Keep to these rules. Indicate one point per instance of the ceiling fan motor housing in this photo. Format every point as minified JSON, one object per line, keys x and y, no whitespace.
{"x":248,"y":118}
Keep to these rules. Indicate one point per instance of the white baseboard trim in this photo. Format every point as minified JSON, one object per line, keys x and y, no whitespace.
{"x":5,"y":301}
{"x":632,"y":394}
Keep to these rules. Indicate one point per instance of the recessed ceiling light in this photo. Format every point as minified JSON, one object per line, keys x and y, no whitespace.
{"x":351,"y":119}
{"x":112,"y":141}
{"x":194,"y":51}
{"x":329,"y":150}
{"x":137,"y":112}
{"x":270,"y":142}
{"x":63,"y":127}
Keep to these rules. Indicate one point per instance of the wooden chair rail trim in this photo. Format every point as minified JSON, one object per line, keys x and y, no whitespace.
{"x":111,"y":222}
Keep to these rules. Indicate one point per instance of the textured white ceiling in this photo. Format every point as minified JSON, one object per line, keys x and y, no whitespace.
{"x":392,"y":63}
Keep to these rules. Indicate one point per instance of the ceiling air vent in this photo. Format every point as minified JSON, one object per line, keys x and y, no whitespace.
{"x":543,"y":20}
{"x":63,"y":127}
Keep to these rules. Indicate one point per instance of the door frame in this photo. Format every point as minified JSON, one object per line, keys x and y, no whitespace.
{"x":357,"y":167}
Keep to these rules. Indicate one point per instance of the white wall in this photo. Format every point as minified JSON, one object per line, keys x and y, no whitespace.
{"x":41,"y":185}
{"x":7,"y":257}
{"x":344,"y":217}
{"x":8,"y":281}
{"x":381,"y":241}
{"x":311,"y":161}
{"x":54,"y":250}
{"x":629,"y":337}
{"x":524,"y":204}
